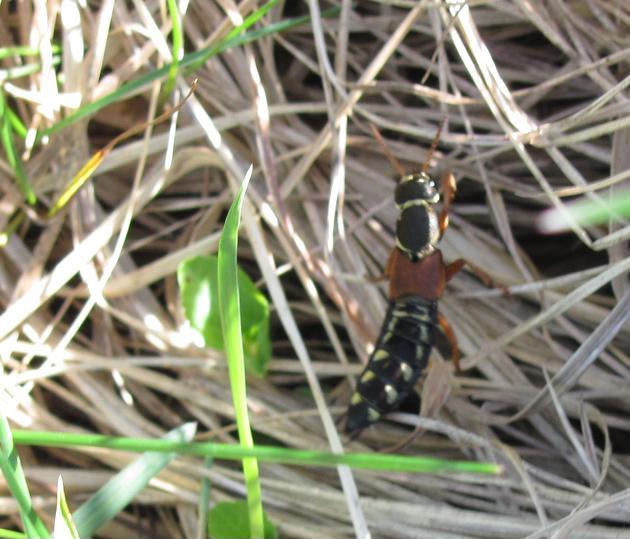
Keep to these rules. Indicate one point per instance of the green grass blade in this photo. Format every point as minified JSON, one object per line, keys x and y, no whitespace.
{"x":177,"y":50}
{"x":14,"y":476}
{"x":10,"y":534}
{"x":16,"y":123}
{"x":192,"y":60}
{"x":11,"y":227}
{"x":13,"y":157}
{"x":233,"y":340}
{"x":25,"y":50}
{"x":26,"y":69}
{"x":586,"y":212}
{"x":232,"y":39}
{"x":369,"y":461}
{"x":64,"y":525}
{"x":235,"y":39}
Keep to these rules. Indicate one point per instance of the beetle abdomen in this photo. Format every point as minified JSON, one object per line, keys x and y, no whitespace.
{"x":401,"y":354}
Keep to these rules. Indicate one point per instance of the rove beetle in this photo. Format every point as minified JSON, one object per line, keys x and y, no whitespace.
{"x":417,"y":277}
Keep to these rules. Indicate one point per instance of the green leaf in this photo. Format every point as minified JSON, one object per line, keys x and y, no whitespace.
{"x":230,"y":520}
{"x":198,"y":284}
{"x":257,"y":345}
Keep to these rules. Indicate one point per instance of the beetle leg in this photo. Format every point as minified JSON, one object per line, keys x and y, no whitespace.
{"x":451,"y":338}
{"x":452,"y":268}
{"x":387,"y":271}
{"x":376,"y":278}
{"x":448,"y":187}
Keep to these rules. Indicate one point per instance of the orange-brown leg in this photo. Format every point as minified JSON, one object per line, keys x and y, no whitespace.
{"x":452,"y":268}
{"x":386,"y":271}
{"x":448,"y":188}
{"x":451,"y":338}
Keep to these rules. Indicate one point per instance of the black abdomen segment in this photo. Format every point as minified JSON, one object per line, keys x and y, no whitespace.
{"x":401,"y":354}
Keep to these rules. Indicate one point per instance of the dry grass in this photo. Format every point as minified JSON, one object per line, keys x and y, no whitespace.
{"x":535,"y":96}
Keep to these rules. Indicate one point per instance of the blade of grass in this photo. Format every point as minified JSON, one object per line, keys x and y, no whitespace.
{"x":16,"y":123}
{"x":585,"y":213}
{"x":26,"y":69}
{"x":177,"y":50}
{"x":229,"y":307}
{"x":190,"y":60}
{"x":92,"y":164}
{"x":233,"y":35}
{"x":24,"y":50}
{"x":64,"y":525}
{"x":13,"y":473}
{"x":15,"y":162}
{"x":369,"y":461}
{"x":12,"y":226}
{"x":10,"y":534}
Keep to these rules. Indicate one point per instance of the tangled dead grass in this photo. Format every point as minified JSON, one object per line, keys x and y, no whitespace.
{"x":535,"y":100}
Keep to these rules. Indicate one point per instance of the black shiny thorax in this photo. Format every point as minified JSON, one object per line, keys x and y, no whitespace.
{"x":414,"y":188}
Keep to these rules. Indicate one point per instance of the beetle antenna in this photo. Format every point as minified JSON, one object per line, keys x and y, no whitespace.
{"x":436,"y":140}
{"x":390,"y":157}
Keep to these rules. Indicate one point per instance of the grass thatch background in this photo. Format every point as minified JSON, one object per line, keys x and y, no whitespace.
{"x":536,"y":101}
